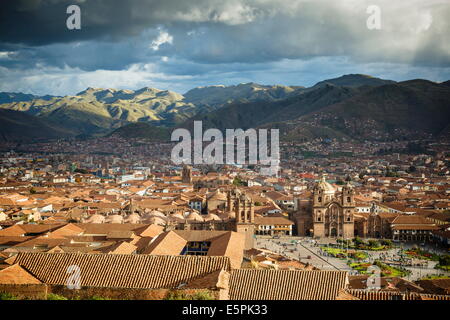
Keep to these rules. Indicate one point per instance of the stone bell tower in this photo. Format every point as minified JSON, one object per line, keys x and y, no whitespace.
{"x":186,"y":175}
{"x":245,"y":219}
{"x":348,"y":208}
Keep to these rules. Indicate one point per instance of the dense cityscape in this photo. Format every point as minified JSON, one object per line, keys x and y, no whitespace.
{"x":336,"y":209}
{"x":224,"y":158}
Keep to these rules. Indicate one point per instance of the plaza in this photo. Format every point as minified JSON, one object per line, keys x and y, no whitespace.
{"x":310,"y":251}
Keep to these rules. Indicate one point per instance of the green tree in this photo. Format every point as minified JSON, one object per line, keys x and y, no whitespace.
{"x":386,"y":242}
{"x":358,"y":241}
{"x":54,"y":296}
{"x":237,"y":181}
{"x":82,"y":171}
{"x":374,"y":243}
{"x":444,"y":260}
{"x":7,"y":296}
{"x":200,"y":295}
{"x":99,"y":298}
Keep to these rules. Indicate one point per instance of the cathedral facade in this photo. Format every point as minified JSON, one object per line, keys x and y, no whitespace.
{"x":328,"y":213}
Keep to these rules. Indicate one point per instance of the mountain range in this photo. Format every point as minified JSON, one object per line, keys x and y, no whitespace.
{"x":348,"y":107}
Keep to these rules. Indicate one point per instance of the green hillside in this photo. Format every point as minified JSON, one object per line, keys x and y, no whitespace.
{"x":95,"y":111}
{"x":353,"y":106}
{"x":19,"y":126}
{"x":253,"y":114}
{"x":217,"y":96}
{"x":410,"y":109}
{"x":355,"y":80}
{"x":407,"y":109}
{"x":143,"y":130}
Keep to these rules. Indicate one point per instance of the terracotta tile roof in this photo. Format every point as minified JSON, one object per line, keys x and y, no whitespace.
{"x":231,"y":245}
{"x":105,"y":228}
{"x":435,"y":286}
{"x":413,"y":222}
{"x":223,"y":243}
{"x":141,"y":242}
{"x":442,"y":216}
{"x":68,"y":230}
{"x":151,"y":230}
{"x":121,"y":270}
{"x":360,"y":282}
{"x":13,"y":240}
{"x":15,"y":274}
{"x":13,"y":231}
{"x":168,"y":243}
{"x":200,"y":235}
{"x":252,"y":284}
{"x":411,"y":219}
{"x":273,"y":221}
{"x":120,"y":248}
{"x":43,"y":242}
{"x":415,"y":227}
{"x":344,"y":295}
{"x":394,"y":295}
{"x":119,"y":234}
{"x":217,"y":279}
{"x":39,"y":228}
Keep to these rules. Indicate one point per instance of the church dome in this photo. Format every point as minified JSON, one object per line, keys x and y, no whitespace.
{"x":115,"y":218}
{"x":176,"y":217}
{"x":153,"y":214}
{"x":133,"y":218}
{"x":212,"y":217}
{"x":95,"y":218}
{"x":156,"y":220}
{"x":156,"y":213}
{"x":325,"y":186}
{"x":194,"y":216}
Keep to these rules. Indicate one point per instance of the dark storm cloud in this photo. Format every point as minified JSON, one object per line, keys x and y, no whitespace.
{"x":41,"y":22}
{"x":184,"y":43}
{"x":213,"y":31}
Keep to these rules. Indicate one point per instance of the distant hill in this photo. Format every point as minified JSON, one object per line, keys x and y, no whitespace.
{"x":410,"y":109}
{"x":95,"y":111}
{"x":253,"y":114}
{"x":354,"y":80}
{"x":19,"y":126}
{"x":143,"y":130}
{"x":8,"y":97}
{"x":353,"y":106}
{"x":217,"y":96}
{"x":446,"y":83}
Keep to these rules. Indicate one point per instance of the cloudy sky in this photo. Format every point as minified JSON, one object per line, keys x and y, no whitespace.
{"x":181,"y":44}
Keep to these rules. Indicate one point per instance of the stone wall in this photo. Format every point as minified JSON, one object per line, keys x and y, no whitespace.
{"x":125,"y":293}
{"x":26,"y":291}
